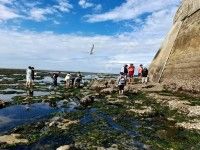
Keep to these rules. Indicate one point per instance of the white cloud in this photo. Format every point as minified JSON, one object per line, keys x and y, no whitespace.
{"x":131,"y":9}
{"x":6,"y":1}
{"x":71,"y":51}
{"x":7,"y":13}
{"x":38,"y":14}
{"x":11,"y":9}
{"x":47,"y":50}
{"x":98,"y":8}
{"x":63,"y":6}
{"x":85,"y":4}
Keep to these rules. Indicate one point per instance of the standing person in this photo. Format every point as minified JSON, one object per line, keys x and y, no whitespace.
{"x":32,"y":74}
{"x":145,"y":75}
{"x":77,"y":80}
{"x":55,"y":79}
{"x":67,"y":80}
{"x":124,"y":70}
{"x":131,"y":70}
{"x":140,"y":71}
{"x":29,"y":77}
{"x":121,"y":82}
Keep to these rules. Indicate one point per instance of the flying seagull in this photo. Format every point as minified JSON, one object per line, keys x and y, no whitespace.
{"x":92,"y":50}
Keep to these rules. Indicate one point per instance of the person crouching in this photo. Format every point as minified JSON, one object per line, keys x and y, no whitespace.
{"x":121,"y":82}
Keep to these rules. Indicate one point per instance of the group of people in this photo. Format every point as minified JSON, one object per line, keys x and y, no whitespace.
{"x":71,"y":80}
{"x":127,"y":74}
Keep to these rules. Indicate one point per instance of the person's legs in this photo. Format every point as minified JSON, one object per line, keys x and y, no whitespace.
{"x":30,"y":83}
{"x":143,"y":79}
{"x":146,"y":80}
{"x":66,"y":84}
{"x":119,"y":89}
{"x":131,"y":78}
{"x":55,"y":83}
{"x":122,"y":92}
{"x":26,"y":83}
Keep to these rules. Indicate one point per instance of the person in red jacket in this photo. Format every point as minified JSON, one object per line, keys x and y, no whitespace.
{"x":131,"y":70}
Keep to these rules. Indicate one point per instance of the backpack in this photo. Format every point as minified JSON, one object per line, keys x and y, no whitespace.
{"x":122,"y":81}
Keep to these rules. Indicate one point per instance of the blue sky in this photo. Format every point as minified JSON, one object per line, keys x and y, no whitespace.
{"x":58,"y":34}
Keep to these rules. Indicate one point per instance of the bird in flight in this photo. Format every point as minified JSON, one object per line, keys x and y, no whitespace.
{"x":92,"y":50}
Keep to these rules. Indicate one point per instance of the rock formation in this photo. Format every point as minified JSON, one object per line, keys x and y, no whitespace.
{"x":177,"y":62}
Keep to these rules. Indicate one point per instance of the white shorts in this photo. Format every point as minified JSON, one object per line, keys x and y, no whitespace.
{"x":144,"y":79}
{"x":29,"y":79}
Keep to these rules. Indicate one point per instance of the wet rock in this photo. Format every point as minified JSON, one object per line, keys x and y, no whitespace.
{"x":64,"y":147}
{"x":61,"y":123}
{"x":116,"y":102}
{"x":122,"y":97}
{"x":12,"y":139}
{"x":194,"y":111}
{"x":54,"y":121}
{"x":87,"y":100}
{"x":138,"y":102}
{"x":97,"y":85}
{"x":162,"y":134}
{"x":65,"y":123}
{"x":144,"y":110}
{"x":113,"y":147}
{"x":108,"y":91}
{"x":101,"y":148}
{"x":2,"y":104}
{"x":108,"y":96}
{"x":195,"y":124}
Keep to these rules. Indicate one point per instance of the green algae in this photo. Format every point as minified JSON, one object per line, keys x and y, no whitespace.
{"x":155,"y":129}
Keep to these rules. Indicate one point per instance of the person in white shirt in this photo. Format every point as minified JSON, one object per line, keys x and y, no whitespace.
{"x":121,"y":82}
{"x":67,"y":80}
{"x":124,"y":70}
{"x":29,"y":79}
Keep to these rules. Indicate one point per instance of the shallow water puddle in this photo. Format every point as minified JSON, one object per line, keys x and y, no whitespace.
{"x":20,"y":114}
{"x":48,"y":79}
{"x":9,"y":89}
{"x":13,"y":116}
{"x":8,"y":97}
{"x":93,"y":115}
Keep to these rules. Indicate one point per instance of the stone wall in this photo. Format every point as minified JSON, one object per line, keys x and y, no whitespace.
{"x":178,"y":61}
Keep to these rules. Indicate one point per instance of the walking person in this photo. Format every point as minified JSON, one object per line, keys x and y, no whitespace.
{"x":124,"y":70}
{"x":29,"y":77}
{"x":121,"y":82}
{"x":140,"y":71}
{"x":131,"y":70}
{"x":145,"y":75}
